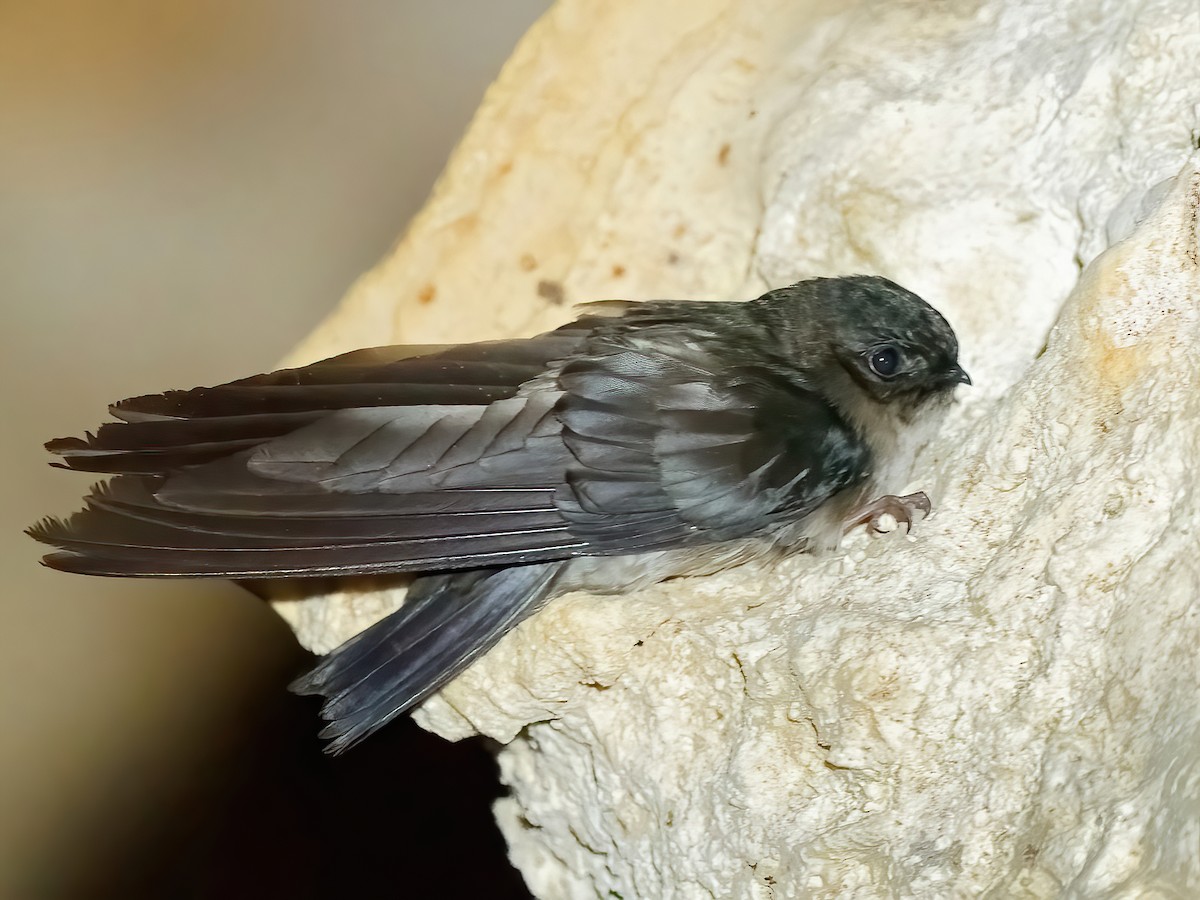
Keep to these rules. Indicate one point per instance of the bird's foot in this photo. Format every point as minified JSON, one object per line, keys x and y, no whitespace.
{"x":901,"y":509}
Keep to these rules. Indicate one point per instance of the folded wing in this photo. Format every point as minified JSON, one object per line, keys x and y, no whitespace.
{"x":607,"y":437}
{"x":377,"y":461}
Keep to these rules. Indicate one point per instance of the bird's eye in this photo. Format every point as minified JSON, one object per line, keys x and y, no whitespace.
{"x":884,"y":361}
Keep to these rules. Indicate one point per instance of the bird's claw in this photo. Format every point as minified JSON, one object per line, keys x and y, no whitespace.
{"x":899,"y":508}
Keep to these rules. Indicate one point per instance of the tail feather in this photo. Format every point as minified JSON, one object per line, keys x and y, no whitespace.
{"x":445,"y":624}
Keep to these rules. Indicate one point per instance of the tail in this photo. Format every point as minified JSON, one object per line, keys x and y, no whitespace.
{"x":446,"y":623}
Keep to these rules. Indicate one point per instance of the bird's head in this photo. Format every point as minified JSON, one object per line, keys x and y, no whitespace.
{"x":869,"y":333}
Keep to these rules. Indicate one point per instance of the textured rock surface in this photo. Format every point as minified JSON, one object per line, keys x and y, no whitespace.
{"x":1005,"y":703}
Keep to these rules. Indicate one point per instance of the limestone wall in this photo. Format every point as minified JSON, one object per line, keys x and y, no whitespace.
{"x":1004,"y":703}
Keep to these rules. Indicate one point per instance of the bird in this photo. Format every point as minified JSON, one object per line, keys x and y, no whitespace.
{"x":642,"y":441}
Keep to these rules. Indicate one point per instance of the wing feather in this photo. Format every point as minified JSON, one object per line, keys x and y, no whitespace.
{"x":735,"y":446}
{"x":236,"y":517}
{"x":638,"y":438}
{"x":159,"y":433}
{"x":262,"y":477}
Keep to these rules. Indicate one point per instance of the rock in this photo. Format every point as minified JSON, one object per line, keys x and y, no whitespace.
{"x":1003,"y":703}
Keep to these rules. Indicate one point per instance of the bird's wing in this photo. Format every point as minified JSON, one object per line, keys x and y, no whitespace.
{"x":160,"y":433}
{"x":328,"y":469}
{"x":646,"y":439}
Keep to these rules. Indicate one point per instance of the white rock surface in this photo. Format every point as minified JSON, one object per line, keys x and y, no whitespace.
{"x":1005,"y":703}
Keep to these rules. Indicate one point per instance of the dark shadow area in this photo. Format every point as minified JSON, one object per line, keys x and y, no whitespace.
{"x":267,"y":814}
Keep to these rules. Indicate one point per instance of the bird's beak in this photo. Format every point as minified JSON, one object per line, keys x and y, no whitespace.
{"x":959,"y":375}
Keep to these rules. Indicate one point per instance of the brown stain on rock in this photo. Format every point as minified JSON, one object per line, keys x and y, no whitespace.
{"x":527,"y":262}
{"x":618,"y":271}
{"x":1117,"y":367}
{"x":465,"y":225}
{"x":551,"y":291}
{"x":427,"y":294}
{"x":723,"y":155}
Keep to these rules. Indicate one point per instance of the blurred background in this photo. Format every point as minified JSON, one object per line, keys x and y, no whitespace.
{"x":186,"y":189}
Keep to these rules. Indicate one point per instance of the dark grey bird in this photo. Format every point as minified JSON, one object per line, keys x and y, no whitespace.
{"x":640,"y":442}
